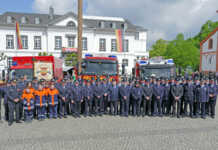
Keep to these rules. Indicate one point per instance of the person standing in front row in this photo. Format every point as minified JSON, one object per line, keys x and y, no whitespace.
{"x":113,"y":97}
{"x":53,"y":102}
{"x":137,"y":94}
{"x":212,"y":97}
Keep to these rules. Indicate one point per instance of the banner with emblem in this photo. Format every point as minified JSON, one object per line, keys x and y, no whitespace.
{"x":119,"y":36}
{"x":43,"y":70}
{"x":19,"y":41}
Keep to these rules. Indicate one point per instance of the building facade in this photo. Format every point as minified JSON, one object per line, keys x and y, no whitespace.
{"x":209,"y":53}
{"x":54,"y":34}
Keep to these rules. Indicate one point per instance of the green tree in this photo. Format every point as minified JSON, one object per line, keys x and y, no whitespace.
{"x":71,"y":59}
{"x":159,"y":48}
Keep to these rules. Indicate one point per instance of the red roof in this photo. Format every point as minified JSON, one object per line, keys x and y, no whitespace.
{"x":211,"y":34}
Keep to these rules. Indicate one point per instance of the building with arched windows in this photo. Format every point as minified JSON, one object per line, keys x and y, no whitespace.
{"x":57,"y":34}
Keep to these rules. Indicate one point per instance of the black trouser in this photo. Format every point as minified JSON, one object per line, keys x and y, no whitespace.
{"x":105,"y":103}
{"x":165,"y":106}
{"x":157,"y":106}
{"x":136,"y":107}
{"x":182,"y":106}
{"x":203,"y":104}
{"x":6,"y":111}
{"x":124,"y":107}
{"x":76,"y":108}
{"x":146,"y":107}
{"x":14,"y":107}
{"x":113,"y":107}
{"x":21,"y":111}
{"x":88,"y":107}
{"x":190,"y":103}
{"x":63,"y":107}
{"x":176,"y":103}
{"x":212,"y":106}
{"x":99,"y":105}
{"x":196,"y":108}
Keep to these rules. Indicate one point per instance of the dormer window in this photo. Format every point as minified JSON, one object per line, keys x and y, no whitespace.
{"x":37,"y":20}
{"x":101,"y":24}
{"x":9,"y":19}
{"x":124,"y":26}
{"x":210,"y":44}
{"x":113,"y":25}
{"x":71,"y":24}
{"x":23,"y":20}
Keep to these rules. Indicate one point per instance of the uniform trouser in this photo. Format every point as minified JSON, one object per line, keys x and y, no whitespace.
{"x":113,"y":107}
{"x":212,"y":105}
{"x":14,"y":107}
{"x":207,"y":108}
{"x":76,"y":108}
{"x":41,"y":112}
{"x":169,"y":104}
{"x":124,"y":106}
{"x":88,"y":107}
{"x":28,"y":115}
{"x":6,"y":111}
{"x":99,"y":105}
{"x":190,"y":104}
{"x":21,"y":110}
{"x":136,"y":107}
{"x":182,"y":106}
{"x":164,"y":106}
{"x":53,"y":110}
{"x":157,"y":106}
{"x":105,"y":102}
{"x":176,"y":103}
{"x":146,"y":107}
{"x":203,"y":104}
{"x":196,"y":108}
{"x":63,"y":107}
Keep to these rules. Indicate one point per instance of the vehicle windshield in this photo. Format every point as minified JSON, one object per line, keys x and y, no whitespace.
{"x":158,"y":72}
{"x":17,"y":73}
{"x":100,"y":68}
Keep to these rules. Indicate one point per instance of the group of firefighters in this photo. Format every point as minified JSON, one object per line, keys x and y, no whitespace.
{"x":176,"y":97}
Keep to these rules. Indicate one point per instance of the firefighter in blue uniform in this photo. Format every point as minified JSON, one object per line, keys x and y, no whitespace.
{"x":63,"y":99}
{"x":212,"y":97}
{"x":166,"y":97}
{"x":114,"y":97}
{"x":158,"y":92}
{"x":196,"y":104}
{"x":137,"y":94}
{"x":148,"y":92}
{"x":13,"y":103}
{"x":76,"y":99}
{"x":177,"y":92}
{"x":88,"y":98}
{"x":98,"y":95}
{"x":4,"y":90}
{"x":203,"y":97}
{"x":124,"y":92}
{"x":105,"y":88}
{"x":189,"y":91}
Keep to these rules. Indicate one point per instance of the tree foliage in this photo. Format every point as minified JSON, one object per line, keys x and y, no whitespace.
{"x":185,"y":52}
{"x":71,"y":59}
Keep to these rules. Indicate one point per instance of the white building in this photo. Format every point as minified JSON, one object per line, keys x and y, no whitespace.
{"x":51,"y":33}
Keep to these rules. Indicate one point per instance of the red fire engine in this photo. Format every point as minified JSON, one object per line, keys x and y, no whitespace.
{"x":41,"y":67}
{"x":100,"y":66}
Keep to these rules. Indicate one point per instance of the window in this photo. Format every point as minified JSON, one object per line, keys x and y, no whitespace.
{"x":9,"y":42}
{"x":71,"y":24}
{"x":24,"y":40}
{"x":37,"y":20}
{"x":210,"y":44}
{"x":37,"y":42}
{"x":102,"y":44}
{"x":9,"y":19}
{"x":126,"y":46}
{"x":124,"y":26}
{"x":113,"y":45}
{"x":101,"y":24}
{"x":58,"y":42}
{"x":71,"y":41}
{"x":125,"y":62}
{"x":113,"y":25}
{"x":23,"y":20}
{"x":85,"y":44}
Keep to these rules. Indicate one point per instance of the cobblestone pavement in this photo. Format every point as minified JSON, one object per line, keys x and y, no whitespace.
{"x":111,"y":133}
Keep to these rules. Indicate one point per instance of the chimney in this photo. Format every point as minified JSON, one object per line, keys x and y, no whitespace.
{"x":51,"y":13}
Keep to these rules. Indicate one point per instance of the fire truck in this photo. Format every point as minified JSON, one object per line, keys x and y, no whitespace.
{"x":156,"y":67}
{"x":100,"y":66}
{"x":41,"y":67}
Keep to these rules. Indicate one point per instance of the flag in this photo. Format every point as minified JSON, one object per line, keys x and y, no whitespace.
{"x":19,"y":42}
{"x":119,"y":35}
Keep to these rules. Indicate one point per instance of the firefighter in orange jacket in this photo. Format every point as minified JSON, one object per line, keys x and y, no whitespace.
{"x":28,"y":103}
{"x":40,"y":102}
{"x":53,"y":101}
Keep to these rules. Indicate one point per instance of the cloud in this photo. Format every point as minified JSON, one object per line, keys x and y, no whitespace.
{"x":163,"y":18}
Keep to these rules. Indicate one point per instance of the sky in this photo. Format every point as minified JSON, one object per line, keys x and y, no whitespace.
{"x":163,"y":18}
